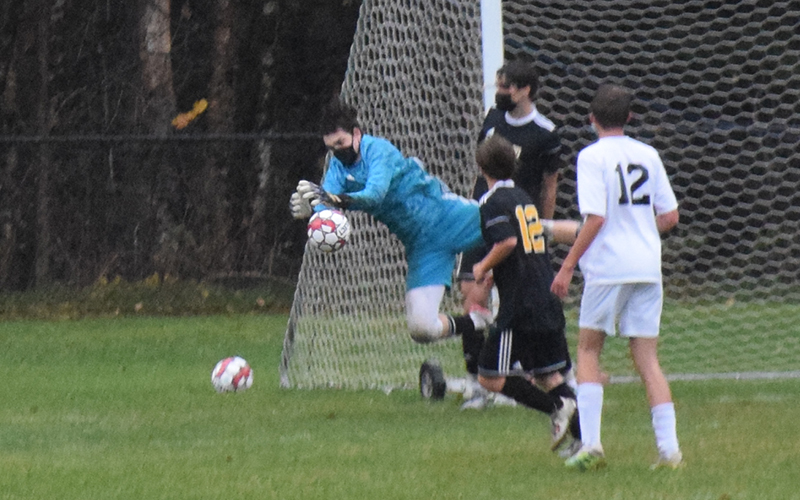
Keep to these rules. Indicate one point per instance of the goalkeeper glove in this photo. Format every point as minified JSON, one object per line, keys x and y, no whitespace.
{"x":315,"y":195}
{"x":300,"y":208}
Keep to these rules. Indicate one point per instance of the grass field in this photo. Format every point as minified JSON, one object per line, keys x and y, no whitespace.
{"x":123,"y":408}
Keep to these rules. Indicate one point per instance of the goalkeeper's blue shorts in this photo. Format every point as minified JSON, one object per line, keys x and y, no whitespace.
{"x":432,"y":258}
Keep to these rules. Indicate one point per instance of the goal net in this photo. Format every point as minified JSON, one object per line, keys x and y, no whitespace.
{"x":718,"y":94}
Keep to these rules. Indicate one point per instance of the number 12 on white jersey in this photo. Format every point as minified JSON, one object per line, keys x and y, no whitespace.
{"x":632,"y":194}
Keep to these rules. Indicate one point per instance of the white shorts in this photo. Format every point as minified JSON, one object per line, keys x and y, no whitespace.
{"x":636,"y":307}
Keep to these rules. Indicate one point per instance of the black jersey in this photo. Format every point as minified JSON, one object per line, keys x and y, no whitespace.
{"x":523,"y":279}
{"x":537,"y":148}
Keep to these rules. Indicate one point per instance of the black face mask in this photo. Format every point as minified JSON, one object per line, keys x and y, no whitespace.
{"x":347,"y":156}
{"x":503,"y":102}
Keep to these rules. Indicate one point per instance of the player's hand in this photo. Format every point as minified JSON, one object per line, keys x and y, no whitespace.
{"x":305,"y":187}
{"x":300,"y":208}
{"x":482,"y":276}
{"x":560,"y":285}
{"x":315,"y":195}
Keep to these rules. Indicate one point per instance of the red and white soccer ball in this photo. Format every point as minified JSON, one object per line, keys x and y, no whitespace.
{"x":328,"y":230}
{"x":232,"y":375}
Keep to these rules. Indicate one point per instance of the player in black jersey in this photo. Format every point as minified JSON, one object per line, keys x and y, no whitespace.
{"x":536,"y":144}
{"x":538,"y":159}
{"x":526,"y":348}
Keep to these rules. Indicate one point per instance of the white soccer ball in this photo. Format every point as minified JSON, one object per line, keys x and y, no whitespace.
{"x":231,"y":375}
{"x":328,"y":230}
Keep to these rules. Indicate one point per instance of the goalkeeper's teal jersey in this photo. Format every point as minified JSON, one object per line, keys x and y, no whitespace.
{"x":433,"y":223}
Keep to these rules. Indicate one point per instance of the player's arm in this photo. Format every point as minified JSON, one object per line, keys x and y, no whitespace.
{"x":664,"y":202}
{"x":666,"y":221}
{"x":548,"y":195}
{"x":499,"y":252}
{"x":552,"y":164}
{"x":561,"y":231}
{"x":381,"y":157}
{"x":588,"y":232}
{"x":330,"y":194}
{"x":378,"y":180}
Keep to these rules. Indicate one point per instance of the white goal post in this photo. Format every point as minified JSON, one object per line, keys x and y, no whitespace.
{"x":717,"y":94}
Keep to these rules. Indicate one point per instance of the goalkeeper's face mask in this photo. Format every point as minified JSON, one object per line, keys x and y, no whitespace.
{"x":347,"y":156}
{"x":345,"y":146}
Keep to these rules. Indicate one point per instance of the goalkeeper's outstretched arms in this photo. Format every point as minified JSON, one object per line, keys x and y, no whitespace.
{"x":561,"y":231}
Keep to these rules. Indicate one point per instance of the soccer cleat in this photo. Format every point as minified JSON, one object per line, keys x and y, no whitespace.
{"x":674,"y":461}
{"x":481,"y":317}
{"x":560,"y":422}
{"x":476,"y":397}
{"x":587,"y":459}
{"x":477,"y":402}
{"x":567,"y":450}
{"x":499,"y":399}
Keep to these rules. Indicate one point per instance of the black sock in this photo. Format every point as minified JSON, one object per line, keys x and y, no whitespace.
{"x":472,"y":345}
{"x":462,"y":324}
{"x":565,"y":391}
{"x":471,"y":340}
{"x":575,"y":426}
{"x":522,"y":391}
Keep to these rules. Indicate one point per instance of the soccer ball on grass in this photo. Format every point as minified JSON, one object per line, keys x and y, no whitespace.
{"x":328,"y":230}
{"x":232,"y":375}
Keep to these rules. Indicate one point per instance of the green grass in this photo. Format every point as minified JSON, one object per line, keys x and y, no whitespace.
{"x":123,"y":409}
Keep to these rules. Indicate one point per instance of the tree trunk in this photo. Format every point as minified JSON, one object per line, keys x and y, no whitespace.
{"x":220,"y":119}
{"x":154,"y":52}
{"x":158,"y":109}
{"x":44,"y":124}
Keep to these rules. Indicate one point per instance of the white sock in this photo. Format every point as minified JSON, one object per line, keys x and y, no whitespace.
{"x":590,"y":408}
{"x":664,"y":427}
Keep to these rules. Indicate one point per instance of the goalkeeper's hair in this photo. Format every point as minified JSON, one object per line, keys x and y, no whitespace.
{"x":520,"y":74}
{"x":338,"y":115}
{"x":496,"y":158}
{"x":611,"y":105}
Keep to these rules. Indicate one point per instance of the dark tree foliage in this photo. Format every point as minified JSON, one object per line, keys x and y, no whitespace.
{"x":95,"y":182}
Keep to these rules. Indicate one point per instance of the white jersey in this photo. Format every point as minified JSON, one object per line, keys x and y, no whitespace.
{"x":623,"y":180}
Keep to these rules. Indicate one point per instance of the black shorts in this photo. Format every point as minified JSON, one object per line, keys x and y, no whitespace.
{"x":523,"y":352}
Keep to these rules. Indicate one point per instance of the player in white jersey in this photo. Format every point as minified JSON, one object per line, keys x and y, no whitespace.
{"x":626,"y":200}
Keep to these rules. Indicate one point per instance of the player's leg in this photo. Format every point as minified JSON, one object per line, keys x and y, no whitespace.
{"x":422,"y":314}
{"x":499,"y":371}
{"x":597,"y":316}
{"x":476,"y":299}
{"x":590,"y":401}
{"x":425,"y":322}
{"x":590,"y":386}
{"x":641,"y":321}
{"x":431,"y":260}
{"x":465,"y":237}
{"x":547,"y":357}
{"x":567,"y":389}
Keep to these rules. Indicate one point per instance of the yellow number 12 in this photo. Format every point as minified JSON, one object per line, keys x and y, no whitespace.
{"x":530,"y":228}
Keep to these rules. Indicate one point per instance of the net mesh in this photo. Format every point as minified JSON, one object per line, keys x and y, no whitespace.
{"x":717,"y":87}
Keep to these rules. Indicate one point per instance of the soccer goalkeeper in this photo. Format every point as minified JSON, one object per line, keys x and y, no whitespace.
{"x":370,"y":174}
